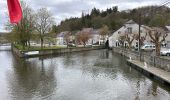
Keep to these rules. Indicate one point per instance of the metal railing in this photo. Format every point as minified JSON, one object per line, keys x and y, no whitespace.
{"x":148,"y":57}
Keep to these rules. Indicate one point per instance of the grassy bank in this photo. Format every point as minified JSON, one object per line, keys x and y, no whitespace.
{"x":36,"y":48}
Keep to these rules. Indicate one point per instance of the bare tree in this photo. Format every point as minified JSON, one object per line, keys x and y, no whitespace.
{"x":142,"y":39}
{"x":104,"y":32}
{"x":22,"y":32}
{"x":67,"y":38}
{"x":122,"y":39}
{"x":157,"y":35}
{"x":83,"y":37}
{"x":28,"y":21}
{"x":44,"y":22}
{"x":129,"y":38}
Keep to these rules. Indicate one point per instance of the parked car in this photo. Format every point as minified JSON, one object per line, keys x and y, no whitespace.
{"x":70,"y":44}
{"x":148,"y":47}
{"x":165,"y":52}
{"x":88,"y":45}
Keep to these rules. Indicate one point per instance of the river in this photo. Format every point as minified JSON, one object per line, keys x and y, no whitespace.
{"x":91,"y":75}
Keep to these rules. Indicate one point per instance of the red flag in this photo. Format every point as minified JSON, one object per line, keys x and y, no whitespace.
{"x":15,"y":11}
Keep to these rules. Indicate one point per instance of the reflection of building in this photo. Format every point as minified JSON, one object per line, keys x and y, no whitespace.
{"x":129,"y":27}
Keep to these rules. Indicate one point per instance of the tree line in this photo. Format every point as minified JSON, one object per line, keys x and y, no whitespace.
{"x":114,"y":19}
{"x":38,"y":25}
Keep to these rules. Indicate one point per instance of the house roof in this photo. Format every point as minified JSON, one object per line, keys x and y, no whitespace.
{"x":130,"y":22}
{"x":146,"y":27}
{"x":62,"y":34}
{"x":90,"y":31}
{"x":95,"y":31}
{"x":158,"y":29}
{"x":87,"y":29}
{"x":167,"y":28}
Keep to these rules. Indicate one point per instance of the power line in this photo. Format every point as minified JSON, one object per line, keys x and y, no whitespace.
{"x":165,"y":3}
{"x":139,"y":45}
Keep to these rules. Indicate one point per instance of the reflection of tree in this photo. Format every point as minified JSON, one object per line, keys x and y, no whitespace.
{"x":32,"y":78}
{"x":153,"y":89}
{"x":105,"y":64}
{"x":104,"y":54}
{"x":68,"y":60}
{"x":104,"y":61}
{"x":137,"y":90}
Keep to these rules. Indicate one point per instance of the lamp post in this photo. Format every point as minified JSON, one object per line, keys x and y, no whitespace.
{"x":139,"y":44}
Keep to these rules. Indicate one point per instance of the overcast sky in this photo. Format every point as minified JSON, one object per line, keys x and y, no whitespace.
{"x":62,"y":9}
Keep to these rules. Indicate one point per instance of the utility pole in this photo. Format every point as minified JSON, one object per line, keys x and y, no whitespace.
{"x":139,"y":44}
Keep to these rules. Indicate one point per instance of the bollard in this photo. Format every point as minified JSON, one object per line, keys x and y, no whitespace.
{"x":145,"y":65}
{"x":130,"y":59}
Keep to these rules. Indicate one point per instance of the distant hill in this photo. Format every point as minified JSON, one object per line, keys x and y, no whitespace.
{"x":150,"y":15}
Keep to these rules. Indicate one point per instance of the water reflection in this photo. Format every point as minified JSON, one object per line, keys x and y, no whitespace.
{"x":32,"y":79}
{"x":92,"y":75}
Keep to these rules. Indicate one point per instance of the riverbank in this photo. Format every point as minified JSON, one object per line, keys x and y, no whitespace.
{"x":150,"y":71}
{"x":44,"y":52}
{"x":147,"y":57}
{"x":154,"y":67}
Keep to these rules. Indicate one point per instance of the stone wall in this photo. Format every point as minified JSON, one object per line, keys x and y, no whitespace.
{"x":53,"y":51}
{"x":147,"y":57}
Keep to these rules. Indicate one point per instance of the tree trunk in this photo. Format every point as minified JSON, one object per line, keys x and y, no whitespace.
{"x":84,"y":44}
{"x":42,"y":43}
{"x":130,"y":46}
{"x":29,"y":44}
{"x":67,"y":44}
{"x":157,"y":45}
{"x":103,"y":39}
{"x":23,"y":47}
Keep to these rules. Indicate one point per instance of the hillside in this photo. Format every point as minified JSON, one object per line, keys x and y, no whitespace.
{"x":150,"y":15}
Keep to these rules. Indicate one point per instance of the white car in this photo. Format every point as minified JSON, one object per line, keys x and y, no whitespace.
{"x":148,"y":47}
{"x":165,"y":52}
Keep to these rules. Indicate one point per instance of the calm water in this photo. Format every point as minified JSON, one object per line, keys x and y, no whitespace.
{"x":92,"y":75}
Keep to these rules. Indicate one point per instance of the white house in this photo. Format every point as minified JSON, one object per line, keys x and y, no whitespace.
{"x":129,"y":27}
{"x":60,"y":38}
{"x":96,"y":38}
{"x":167,"y":40}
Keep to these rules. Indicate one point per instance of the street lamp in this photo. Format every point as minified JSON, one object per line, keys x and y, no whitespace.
{"x":139,"y":44}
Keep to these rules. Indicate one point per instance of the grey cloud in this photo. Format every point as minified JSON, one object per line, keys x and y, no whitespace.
{"x":62,"y":9}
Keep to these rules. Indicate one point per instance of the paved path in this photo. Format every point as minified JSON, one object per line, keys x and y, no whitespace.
{"x":161,"y":74}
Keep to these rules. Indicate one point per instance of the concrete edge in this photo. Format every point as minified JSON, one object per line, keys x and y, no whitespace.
{"x":148,"y":73}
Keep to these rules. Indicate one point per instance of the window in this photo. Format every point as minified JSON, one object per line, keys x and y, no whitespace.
{"x":147,"y":46}
{"x":136,"y":44}
{"x":129,"y":29}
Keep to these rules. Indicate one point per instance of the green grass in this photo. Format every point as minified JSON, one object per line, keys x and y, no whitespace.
{"x":34,"y":48}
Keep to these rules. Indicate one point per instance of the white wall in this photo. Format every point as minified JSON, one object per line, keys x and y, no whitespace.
{"x":60,"y":41}
{"x":135,"y":29}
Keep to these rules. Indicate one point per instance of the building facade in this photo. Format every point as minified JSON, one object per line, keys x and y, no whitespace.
{"x":129,"y":27}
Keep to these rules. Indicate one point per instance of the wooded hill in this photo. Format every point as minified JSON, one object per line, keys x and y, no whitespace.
{"x":150,"y":15}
